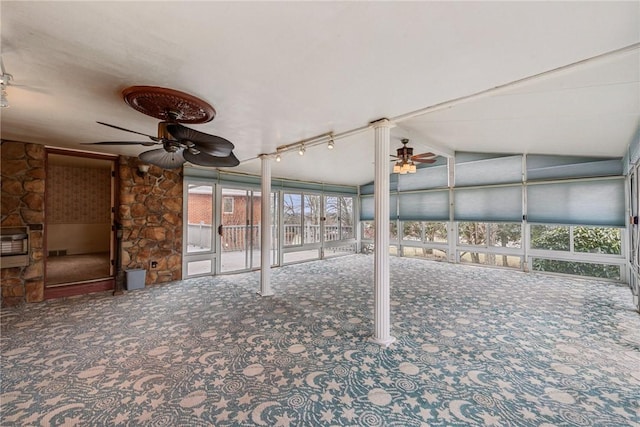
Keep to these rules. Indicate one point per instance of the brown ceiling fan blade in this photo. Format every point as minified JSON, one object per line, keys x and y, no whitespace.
{"x":153,"y":138}
{"x":203,"y":159}
{"x":424,"y":160}
{"x":164,"y":159}
{"x":147,"y":144}
{"x":211,"y":144}
{"x":423,"y":155}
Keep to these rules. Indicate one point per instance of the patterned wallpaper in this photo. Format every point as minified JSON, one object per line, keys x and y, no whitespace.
{"x":78,"y":195}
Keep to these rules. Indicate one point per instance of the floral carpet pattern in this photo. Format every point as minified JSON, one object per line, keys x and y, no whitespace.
{"x":475,"y":346}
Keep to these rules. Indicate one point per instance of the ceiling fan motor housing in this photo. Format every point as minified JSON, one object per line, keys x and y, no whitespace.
{"x":404,"y":153}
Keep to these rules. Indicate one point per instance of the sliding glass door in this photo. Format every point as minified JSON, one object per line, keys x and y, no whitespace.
{"x":239,"y":230}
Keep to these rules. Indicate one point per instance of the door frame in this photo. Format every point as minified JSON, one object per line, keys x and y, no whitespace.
{"x":210,"y":255}
{"x":249,"y":225}
{"x":89,"y":286}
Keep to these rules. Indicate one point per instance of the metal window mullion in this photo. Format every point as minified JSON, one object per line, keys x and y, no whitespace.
{"x":247,"y":223}
{"x":218,"y":220}
{"x":340,"y":219}
{"x":323,"y":224}
{"x":452,"y":235}
{"x":571,"y":243}
{"x":185,"y":226}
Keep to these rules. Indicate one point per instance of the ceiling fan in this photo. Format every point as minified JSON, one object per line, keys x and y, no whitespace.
{"x":406,"y":160}
{"x":179,"y":143}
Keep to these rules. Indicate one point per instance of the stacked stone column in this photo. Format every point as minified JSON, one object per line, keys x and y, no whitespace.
{"x":151,"y":216}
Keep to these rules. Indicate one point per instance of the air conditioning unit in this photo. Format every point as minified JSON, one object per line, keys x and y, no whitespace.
{"x":14,"y":243}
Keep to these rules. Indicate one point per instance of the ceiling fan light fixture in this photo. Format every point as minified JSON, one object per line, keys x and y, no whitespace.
{"x":143,"y":169}
{"x":406,"y":160}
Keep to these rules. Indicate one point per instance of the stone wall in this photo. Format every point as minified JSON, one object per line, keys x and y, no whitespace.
{"x":151,"y":216}
{"x":22,"y":204}
{"x":150,"y":212}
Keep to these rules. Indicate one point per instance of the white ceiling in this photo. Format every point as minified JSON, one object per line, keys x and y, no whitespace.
{"x":278,"y":73}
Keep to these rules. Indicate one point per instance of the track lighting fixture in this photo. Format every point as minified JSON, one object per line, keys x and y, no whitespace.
{"x":5,"y":78}
{"x":330,"y":144}
{"x":278,"y":158}
{"x":301,"y":150}
{"x":4,"y":102}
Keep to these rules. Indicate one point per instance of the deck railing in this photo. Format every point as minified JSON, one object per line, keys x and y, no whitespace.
{"x":237,"y":237}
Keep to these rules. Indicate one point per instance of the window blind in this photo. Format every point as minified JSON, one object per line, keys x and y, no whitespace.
{"x":593,"y":202}
{"x":424,"y":178}
{"x":541,"y":167}
{"x":499,"y":170}
{"x":488,"y":204}
{"x":424,"y":206}
{"x":367,"y":207}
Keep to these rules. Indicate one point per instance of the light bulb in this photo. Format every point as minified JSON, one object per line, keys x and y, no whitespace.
{"x":301,"y":150}
{"x":278,"y":158}
{"x":330,"y":144}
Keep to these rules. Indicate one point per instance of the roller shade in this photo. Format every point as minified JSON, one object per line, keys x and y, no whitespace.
{"x":424,"y":206}
{"x":488,"y":204}
{"x":594,"y":202}
{"x":367,"y":207}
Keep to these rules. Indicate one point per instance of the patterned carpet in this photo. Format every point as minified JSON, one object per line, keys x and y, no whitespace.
{"x":475,"y":346}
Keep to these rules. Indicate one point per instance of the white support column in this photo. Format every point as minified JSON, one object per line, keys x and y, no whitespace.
{"x":381,"y":299}
{"x":265,"y":227}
